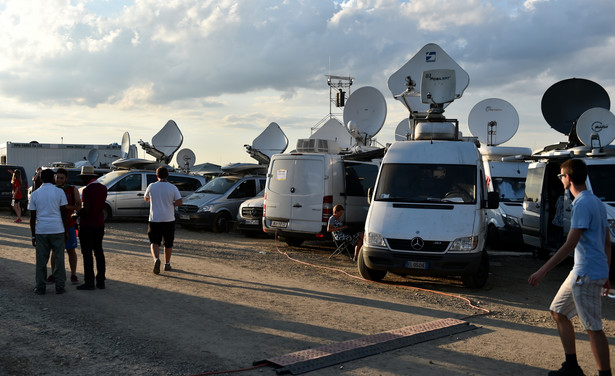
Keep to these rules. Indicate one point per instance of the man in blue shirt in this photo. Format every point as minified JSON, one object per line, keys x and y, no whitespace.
{"x":581,"y":292}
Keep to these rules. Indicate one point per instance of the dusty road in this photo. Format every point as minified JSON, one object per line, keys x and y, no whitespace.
{"x":232,"y":300}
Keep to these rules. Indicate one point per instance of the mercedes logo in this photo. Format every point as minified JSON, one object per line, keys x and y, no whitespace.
{"x":417,"y":243}
{"x":253,"y":212}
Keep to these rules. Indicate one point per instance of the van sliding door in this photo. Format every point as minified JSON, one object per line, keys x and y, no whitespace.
{"x":533,"y":206}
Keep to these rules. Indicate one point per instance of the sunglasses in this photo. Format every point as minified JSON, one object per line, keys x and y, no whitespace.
{"x":560,"y":176}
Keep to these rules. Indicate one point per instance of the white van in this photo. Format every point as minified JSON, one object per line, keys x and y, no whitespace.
{"x":302,"y":189}
{"x":428,"y":213}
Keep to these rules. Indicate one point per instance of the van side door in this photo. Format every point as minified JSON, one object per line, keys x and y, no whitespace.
{"x":359,"y":177}
{"x":533,"y":205}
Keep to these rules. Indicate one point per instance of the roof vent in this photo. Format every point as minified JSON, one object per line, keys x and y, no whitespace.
{"x":310,"y":145}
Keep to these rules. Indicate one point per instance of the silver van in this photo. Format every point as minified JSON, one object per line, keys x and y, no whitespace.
{"x":126,"y":190}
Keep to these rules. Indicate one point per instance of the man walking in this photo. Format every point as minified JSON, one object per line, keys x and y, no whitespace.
{"x":49,"y":227}
{"x":581,"y":292}
{"x":163,"y":198}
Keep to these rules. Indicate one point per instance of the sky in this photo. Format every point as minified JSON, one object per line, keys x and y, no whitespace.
{"x":85,"y":72}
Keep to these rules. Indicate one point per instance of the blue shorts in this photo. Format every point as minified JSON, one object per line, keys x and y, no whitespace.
{"x":72,"y":239}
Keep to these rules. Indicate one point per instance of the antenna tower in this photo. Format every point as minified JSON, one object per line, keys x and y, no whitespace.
{"x":339,"y":91}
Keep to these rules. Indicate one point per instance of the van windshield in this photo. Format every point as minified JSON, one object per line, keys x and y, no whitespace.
{"x":509,"y":189}
{"x":218,"y":185}
{"x":602,"y":181}
{"x":427,"y":183}
{"x":106,"y":179}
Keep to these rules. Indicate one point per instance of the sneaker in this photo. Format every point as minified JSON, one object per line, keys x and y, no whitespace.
{"x":39,"y":291}
{"x":74,"y":280}
{"x":60,"y":290}
{"x":167,"y":267}
{"x":51,"y":279}
{"x":157,"y":267}
{"x":86,"y":287}
{"x":18,"y":220}
{"x":565,"y":371}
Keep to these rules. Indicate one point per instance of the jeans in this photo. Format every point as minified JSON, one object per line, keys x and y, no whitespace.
{"x":45,"y":244}
{"x":91,"y":241}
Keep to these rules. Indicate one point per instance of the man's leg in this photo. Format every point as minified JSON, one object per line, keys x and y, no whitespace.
{"x":85,"y":237}
{"x":58,"y":243}
{"x":167,"y":254}
{"x":101,"y":268}
{"x":600,"y":349}
{"x":566,"y":332}
{"x":42,"y":257}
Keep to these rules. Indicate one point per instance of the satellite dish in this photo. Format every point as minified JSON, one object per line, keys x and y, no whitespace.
{"x":334,"y":130}
{"x":365,"y":112}
{"x":125,"y":149}
{"x":186,"y":159}
{"x":494,"y":121}
{"x":271,"y":141}
{"x":566,"y":100}
{"x":403,"y":132}
{"x":596,"y":127}
{"x":168,"y":139}
{"x":430,"y":57}
{"x":93,"y":156}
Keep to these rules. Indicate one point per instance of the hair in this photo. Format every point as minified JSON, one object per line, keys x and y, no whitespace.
{"x":337,"y":208}
{"x":16,"y":176}
{"x":47,"y":176}
{"x":62,"y":171}
{"x":576,"y":169}
{"x":162,"y":172}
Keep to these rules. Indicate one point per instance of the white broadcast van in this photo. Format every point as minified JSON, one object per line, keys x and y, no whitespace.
{"x":428,"y":209}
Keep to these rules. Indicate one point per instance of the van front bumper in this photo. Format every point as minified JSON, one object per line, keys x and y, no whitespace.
{"x":441,"y":264}
{"x":195,"y":219}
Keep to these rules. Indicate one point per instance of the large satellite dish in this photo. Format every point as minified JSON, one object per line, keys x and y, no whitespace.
{"x":334,"y":130}
{"x":494,"y":121}
{"x":403,"y":132}
{"x":271,"y":141}
{"x":430,"y":57}
{"x":596,"y":127}
{"x":185,"y":159}
{"x":125,"y":148}
{"x":165,"y":143}
{"x":566,"y":100}
{"x":365,"y":112}
{"x":93,"y":156}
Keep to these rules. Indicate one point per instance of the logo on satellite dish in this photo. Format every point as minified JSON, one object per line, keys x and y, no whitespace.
{"x":430,"y":56}
{"x":492,"y":109}
{"x":597,"y":126}
{"x":432,"y":77}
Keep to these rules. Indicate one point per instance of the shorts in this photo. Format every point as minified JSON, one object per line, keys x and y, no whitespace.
{"x":72,"y":238}
{"x":583,"y":297}
{"x":156,"y":231}
{"x":15,"y":201}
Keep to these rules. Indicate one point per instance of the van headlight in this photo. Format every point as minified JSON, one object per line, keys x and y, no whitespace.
{"x":511,"y":221}
{"x":465,"y":244}
{"x":204,"y":209}
{"x":611,"y":223}
{"x":374,"y":239}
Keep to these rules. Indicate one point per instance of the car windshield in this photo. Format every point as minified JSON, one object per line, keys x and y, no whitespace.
{"x":602,"y":180}
{"x":106,"y":179}
{"x":509,"y":189}
{"x":427,"y":183}
{"x":219,"y":185}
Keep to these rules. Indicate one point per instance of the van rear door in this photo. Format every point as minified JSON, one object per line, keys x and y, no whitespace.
{"x":296,"y":187}
{"x":533,"y":205}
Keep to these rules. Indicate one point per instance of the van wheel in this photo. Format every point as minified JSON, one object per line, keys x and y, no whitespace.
{"x":478,"y":279}
{"x":367,"y":273}
{"x":221,"y":222}
{"x":294,"y":242}
{"x":107,"y":213}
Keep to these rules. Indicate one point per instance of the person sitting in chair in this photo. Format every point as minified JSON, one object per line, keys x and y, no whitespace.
{"x":336,"y":227}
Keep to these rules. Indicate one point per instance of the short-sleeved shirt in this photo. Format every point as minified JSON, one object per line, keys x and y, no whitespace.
{"x":334,"y":222}
{"x":162,"y":197}
{"x":47,"y":201}
{"x":17,"y":189}
{"x":94,"y":196}
{"x":589,"y":214}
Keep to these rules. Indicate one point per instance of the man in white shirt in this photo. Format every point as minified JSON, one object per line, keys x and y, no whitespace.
{"x":48,"y":223}
{"x":163,"y":198}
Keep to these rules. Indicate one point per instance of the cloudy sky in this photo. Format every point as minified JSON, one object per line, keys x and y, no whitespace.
{"x":84,"y":72}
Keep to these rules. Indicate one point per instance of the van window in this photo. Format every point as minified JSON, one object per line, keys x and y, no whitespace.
{"x":533,"y":184}
{"x":509,"y":189}
{"x":184,"y":183}
{"x":427,"y":183}
{"x":128,"y":183}
{"x":218,"y":185}
{"x":360,"y":177}
{"x":244,"y":190}
{"x":602,"y":181}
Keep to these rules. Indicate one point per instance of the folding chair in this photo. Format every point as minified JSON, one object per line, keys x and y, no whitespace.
{"x":343,"y":246}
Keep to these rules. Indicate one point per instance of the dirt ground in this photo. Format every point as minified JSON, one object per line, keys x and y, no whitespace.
{"x":232,"y":300}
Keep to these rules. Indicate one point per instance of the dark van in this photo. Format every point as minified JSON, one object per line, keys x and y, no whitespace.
{"x":6,"y":188}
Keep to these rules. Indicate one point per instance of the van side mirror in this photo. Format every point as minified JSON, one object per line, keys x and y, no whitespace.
{"x":493,"y":200}
{"x":369,"y":195}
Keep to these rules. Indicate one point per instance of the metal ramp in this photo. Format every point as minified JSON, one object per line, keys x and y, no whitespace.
{"x":336,"y":353}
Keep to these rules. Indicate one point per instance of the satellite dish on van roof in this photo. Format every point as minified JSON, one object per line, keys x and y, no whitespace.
{"x":165,"y":143}
{"x":185,"y":159}
{"x":596,"y":127}
{"x":403,"y":132}
{"x":566,"y":100}
{"x":271,"y":141}
{"x":405,"y":80}
{"x":365,"y":112}
{"x":334,"y":130}
{"x":125,"y":148}
{"x":93,"y":156}
{"x":494,"y":121}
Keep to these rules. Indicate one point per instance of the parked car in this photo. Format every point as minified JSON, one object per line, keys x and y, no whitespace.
{"x":126,"y":190}
{"x":250,"y":215}
{"x":6,"y":187}
{"x":215,"y":205}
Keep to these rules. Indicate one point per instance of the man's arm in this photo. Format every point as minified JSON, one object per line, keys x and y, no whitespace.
{"x":33,"y":226}
{"x":571,"y":241}
{"x":607,"y":250}
{"x":64,"y":220}
{"x":178,"y":202}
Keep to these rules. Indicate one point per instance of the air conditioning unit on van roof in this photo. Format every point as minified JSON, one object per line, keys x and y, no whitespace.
{"x":310,"y":145}
{"x":434,"y":131}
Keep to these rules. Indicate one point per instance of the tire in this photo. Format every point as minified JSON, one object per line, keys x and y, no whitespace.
{"x":107,"y":214}
{"x":478,"y":279}
{"x":293,"y":242}
{"x":221,"y":222}
{"x":367,"y":273}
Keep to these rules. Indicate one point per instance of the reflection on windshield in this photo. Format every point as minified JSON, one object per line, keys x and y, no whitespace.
{"x":218,"y":185}
{"x":427,"y":183}
{"x":509,"y":189}
{"x":602,"y":181}
{"x":109,"y":177}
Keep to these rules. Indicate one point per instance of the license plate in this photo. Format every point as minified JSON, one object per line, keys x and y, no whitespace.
{"x":417,"y":265}
{"x":184,"y":216}
{"x":280,"y":224}
{"x":252,"y":221}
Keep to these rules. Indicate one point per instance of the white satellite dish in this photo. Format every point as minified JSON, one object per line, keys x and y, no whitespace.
{"x":168,"y":139}
{"x":493,"y":121}
{"x":430,"y":57}
{"x":403,"y":132}
{"x":93,"y":156}
{"x":596,"y":127}
{"x":334,"y":130}
{"x":185,"y":159}
{"x":271,"y":141}
{"x":125,"y":149}
{"x":365,"y":112}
